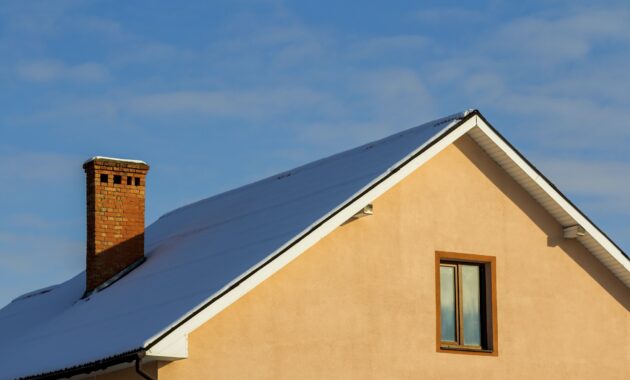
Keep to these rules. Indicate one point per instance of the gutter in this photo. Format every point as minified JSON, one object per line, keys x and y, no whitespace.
{"x":139,"y":370}
{"x":88,"y":368}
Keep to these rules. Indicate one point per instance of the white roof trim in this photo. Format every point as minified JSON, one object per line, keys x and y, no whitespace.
{"x":170,"y":343}
{"x":551,"y":199}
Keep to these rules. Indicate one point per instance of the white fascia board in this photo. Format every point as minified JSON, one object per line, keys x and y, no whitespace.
{"x":172,"y":347}
{"x":576,"y":215}
{"x":339,"y":216}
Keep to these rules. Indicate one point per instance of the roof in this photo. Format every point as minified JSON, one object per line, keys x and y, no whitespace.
{"x":203,"y":256}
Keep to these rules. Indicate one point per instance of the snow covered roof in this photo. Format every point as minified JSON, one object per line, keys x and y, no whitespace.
{"x":205,"y":255}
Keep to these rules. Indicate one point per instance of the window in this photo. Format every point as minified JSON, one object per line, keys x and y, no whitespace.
{"x":466,"y":303}
{"x":117,"y":179}
{"x":103,"y":178}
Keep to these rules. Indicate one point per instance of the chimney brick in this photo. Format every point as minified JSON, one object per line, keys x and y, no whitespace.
{"x":115,"y":217}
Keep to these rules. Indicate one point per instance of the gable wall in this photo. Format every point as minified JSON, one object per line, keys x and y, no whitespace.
{"x":361,"y":302}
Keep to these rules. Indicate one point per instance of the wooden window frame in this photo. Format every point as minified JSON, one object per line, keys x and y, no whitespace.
{"x":489,"y":312}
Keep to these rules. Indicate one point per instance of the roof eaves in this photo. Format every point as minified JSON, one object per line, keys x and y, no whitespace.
{"x":90,"y":367}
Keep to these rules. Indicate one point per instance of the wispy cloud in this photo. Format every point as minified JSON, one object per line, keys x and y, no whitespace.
{"x":33,"y":261}
{"x":599,"y":188}
{"x":50,"y":71}
{"x":604,"y":184}
{"x":397,"y":44}
{"x":31,"y":221}
{"x":547,"y":39}
{"x":545,"y":71}
{"x":104,"y":27}
{"x":553,"y":79}
{"x":446,"y":15}
{"x":248,"y":104}
{"x":23,"y":252}
{"x":38,"y":167}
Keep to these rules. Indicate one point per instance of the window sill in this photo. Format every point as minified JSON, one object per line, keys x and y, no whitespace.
{"x":464,"y":350}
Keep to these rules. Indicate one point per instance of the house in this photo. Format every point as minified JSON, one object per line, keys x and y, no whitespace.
{"x":438,"y":252}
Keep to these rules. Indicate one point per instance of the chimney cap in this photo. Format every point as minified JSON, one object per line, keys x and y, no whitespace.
{"x":95,"y":158}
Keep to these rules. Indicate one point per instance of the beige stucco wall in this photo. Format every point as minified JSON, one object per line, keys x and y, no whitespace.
{"x":361,"y":302}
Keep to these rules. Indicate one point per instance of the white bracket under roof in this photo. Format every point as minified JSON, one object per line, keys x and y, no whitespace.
{"x":365,"y":211}
{"x":574,"y":232}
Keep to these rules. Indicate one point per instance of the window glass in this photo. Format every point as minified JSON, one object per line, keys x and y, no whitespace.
{"x":447,"y":299}
{"x":471,"y":305}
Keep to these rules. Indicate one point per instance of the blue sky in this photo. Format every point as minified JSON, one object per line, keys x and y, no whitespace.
{"x":218,"y":94}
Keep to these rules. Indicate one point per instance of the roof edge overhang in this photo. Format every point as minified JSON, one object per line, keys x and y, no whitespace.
{"x":98,"y":366}
{"x":551,"y":198}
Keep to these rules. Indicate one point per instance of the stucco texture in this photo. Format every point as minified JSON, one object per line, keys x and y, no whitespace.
{"x":361,"y":302}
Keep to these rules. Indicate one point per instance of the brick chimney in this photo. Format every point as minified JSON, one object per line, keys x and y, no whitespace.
{"x":115,"y":218}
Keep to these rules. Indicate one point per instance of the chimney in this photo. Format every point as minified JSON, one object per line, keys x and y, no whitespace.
{"x":115,"y":218}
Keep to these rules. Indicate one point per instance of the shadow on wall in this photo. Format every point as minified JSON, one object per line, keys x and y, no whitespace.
{"x":102,"y":267}
{"x":547,"y":223}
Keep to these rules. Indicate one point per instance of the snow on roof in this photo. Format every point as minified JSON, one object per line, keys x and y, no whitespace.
{"x":192,"y":254}
{"x":114,"y":159}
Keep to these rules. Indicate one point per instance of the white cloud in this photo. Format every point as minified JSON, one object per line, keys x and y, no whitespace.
{"x":33,"y":261}
{"x":603,"y":184}
{"x":40,"y":71}
{"x":36,"y":18}
{"x":375,"y":103}
{"x":447,"y":15}
{"x":21,"y":253}
{"x":386,"y":46}
{"x":396,"y":96}
{"x":568,"y":123}
{"x":569,"y":36}
{"x":50,"y":71}
{"x":554,"y":74}
{"x":31,"y":221}
{"x":107,"y":28}
{"x":149,"y":52}
{"x":335,"y":136}
{"x":39,"y":167}
{"x":247,"y":103}
{"x":550,"y":75}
